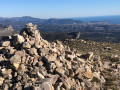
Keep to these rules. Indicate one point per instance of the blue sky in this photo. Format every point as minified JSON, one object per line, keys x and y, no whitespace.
{"x":58,"y":8}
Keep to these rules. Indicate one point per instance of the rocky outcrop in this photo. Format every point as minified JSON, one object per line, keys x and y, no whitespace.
{"x":29,"y":62}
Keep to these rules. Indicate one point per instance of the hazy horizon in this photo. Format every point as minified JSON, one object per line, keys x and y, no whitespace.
{"x":59,"y":9}
{"x":61,"y":18}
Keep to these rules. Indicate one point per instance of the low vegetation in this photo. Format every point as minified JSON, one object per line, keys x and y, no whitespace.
{"x":110,"y":56}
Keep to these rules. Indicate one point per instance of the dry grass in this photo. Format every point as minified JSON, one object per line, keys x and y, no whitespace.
{"x":106,"y":51}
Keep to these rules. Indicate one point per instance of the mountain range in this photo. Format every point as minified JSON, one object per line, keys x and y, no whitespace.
{"x":28,"y":19}
{"x":19,"y":22}
{"x":113,"y":19}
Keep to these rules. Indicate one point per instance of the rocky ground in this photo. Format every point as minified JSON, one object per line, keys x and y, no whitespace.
{"x":29,"y":62}
{"x":109,"y":55}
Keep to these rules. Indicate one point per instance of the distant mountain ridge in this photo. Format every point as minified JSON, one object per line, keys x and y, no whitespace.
{"x":113,"y":19}
{"x":53,"y":23}
{"x":24,"y":18}
{"x":19,"y":22}
{"x":28,"y":19}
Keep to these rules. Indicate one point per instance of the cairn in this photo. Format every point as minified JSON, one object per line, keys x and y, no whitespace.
{"x":29,"y":62}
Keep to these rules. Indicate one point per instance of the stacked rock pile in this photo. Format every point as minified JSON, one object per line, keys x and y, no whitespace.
{"x":29,"y":62}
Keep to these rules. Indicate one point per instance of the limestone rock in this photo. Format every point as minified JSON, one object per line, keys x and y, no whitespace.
{"x":33,"y":51}
{"x":6,"y":43}
{"x":60,"y":71}
{"x":29,"y":62}
{"x":44,"y":51}
{"x":44,"y":86}
{"x":88,"y":74}
{"x":20,"y":38}
{"x":1,"y":58}
{"x":15,"y":59}
{"x":89,"y":55}
{"x":26,"y":45}
{"x":40,"y":75}
{"x":118,"y":66}
{"x":1,"y":81}
{"x":21,"y":68}
{"x":87,"y":83}
{"x":16,"y":65}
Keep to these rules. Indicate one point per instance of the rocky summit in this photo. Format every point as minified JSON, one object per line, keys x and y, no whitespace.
{"x":28,"y":62}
